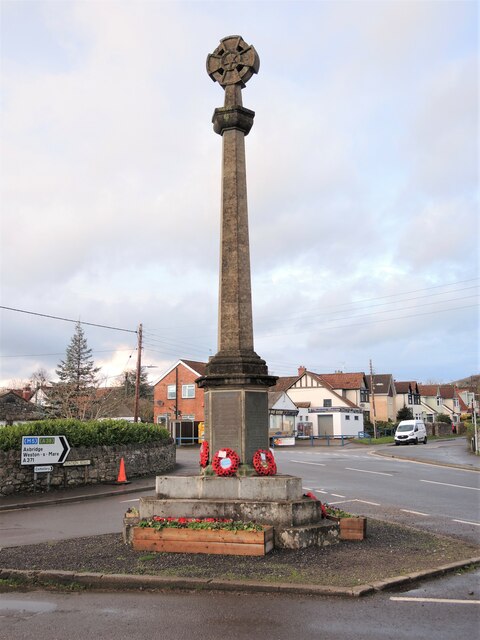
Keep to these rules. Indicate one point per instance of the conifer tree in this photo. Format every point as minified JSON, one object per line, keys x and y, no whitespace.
{"x":75,"y":394}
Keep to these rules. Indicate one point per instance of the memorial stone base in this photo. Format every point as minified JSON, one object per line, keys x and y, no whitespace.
{"x":273,"y":500}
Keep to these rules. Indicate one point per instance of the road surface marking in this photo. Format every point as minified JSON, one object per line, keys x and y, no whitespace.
{"x":375,"y":504}
{"x":337,"y":495}
{"x":317,"y":464}
{"x":134,"y":500}
{"x":415,"y":513}
{"x":475,"y":524}
{"x":320,"y":491}
{"x":439,"y":600}
{"x":446,"y":484}
{"x":378,"y":473}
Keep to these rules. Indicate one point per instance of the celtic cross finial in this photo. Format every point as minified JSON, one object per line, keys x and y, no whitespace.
{"x":233,"y":62}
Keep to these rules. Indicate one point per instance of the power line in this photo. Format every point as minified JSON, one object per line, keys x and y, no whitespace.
{"x":359,"y":324}
{"x":44,"y":355}
{"x":90,"y":324}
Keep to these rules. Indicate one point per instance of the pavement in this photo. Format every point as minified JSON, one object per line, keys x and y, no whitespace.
{"x":458,"y":457}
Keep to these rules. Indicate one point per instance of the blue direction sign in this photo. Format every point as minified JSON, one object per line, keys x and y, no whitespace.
{"x":42,"y":450}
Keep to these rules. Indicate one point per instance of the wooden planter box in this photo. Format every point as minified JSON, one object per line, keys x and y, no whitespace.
{"x":351,"y":528}
{"x":210,"y":541}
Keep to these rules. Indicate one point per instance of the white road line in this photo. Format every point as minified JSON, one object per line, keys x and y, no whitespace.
{"x":337,"y":495}
{"x":475,"y":524}
{"x":375,"y":504}
{"x":446,"y":484}
{"x":320,"y":491}
{"x":438,"y":600}
{"x":317,"y":464}
{"x":135,"y":500}
{"x":307,"y":488}
{"x":415,"y":513}
{"x":378,"y":473}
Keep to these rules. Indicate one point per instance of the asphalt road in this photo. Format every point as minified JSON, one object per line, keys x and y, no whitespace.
{"x":436,"y":498}
{"x":446,"y":608}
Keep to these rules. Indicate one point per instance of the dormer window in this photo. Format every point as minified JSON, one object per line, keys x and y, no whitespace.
{"x":363,"y":395}
{"x":439,"y":401}
{"x":410,"y":398}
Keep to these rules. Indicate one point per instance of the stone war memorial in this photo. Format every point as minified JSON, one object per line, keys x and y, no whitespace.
{"x":237,"y":474}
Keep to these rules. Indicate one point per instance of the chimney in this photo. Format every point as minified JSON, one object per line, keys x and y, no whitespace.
{"x":301,"y":370}
{"x":26,"y":392}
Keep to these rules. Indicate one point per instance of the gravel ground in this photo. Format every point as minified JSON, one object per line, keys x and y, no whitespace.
{"x":389,"y":550}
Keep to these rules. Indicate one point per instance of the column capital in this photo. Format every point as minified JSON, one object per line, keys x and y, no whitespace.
{"x":237,"y":117}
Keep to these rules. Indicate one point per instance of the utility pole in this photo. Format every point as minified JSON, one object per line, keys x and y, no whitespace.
{"x":475,"y":432}
{"x":372,"y":387}
{"x":139,"y":370}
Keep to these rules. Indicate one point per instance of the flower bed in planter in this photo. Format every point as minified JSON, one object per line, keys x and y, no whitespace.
{"x":351,"y":527}
{"x":208,"y":535}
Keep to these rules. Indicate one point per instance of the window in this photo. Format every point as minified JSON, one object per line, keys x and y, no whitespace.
{"x":327,"y":403}
{"x":416,"y":399}
{"x":455,"y":402}
{"x":363,"y":395}
{"x":162,"y":420}
{"x":188,"y":390}
{"x":410,"y":398}
{"x":439,"y":400}
{"x":171,"y":392}
{"x":356,"y":417}
{"x":347,"y":417}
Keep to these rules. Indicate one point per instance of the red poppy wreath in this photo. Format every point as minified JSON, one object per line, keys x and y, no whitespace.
{"x":225,"y":462}
{"x":204,"y":454}
{"x":264,"y":463}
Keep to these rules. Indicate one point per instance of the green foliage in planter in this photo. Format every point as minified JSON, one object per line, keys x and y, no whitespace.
{"x":91,"y":433}
{"x":213,"y":524}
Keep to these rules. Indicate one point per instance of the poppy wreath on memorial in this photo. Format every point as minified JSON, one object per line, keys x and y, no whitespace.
{"x":204,"y":454}
{"x":264,"y":463}
{"x":225,"y":462}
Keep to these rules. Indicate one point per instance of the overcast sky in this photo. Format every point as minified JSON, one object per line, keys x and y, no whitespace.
{"x":362,"y":170}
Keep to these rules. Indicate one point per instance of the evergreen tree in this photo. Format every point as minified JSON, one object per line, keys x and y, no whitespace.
{"x":78,"y":368}
{"x":75,"y":395}
{"x":129,"y":381}
{"x":405,"y":413}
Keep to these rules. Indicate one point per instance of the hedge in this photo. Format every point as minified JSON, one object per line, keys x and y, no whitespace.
{"x":90,"y":433}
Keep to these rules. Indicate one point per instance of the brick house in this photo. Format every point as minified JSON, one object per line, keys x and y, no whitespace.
{"x":177,"y":399}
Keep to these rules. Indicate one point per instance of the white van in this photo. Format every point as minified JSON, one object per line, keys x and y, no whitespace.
{"x":410,"y":431}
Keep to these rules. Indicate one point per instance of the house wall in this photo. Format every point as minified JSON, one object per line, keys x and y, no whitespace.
{"x":185,"y":406}
{"x":384,"y":408}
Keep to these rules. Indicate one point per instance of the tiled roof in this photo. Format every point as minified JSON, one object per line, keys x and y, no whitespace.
{"x":428,"y":390}
{"x":199,"y":367}
{"x":303,"y":405}
{"x":404,"y":386}
{"x":381,"y":382}
{"x":343,"y":380}
{"x":284,"y":383}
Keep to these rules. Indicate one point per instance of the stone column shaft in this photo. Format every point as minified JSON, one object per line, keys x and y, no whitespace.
{"x":235,"y":297}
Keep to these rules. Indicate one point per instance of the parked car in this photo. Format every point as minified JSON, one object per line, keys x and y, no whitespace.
{"x":409,"y":431}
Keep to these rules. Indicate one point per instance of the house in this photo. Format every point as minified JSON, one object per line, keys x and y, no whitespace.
{"x":321,"y":410}
{"x":382,"y":400}
{"x":407,"y":394}
{"x":15,"y":407}
{"x":441,"y":398}
{"x":178,"y":401}
{"x":282,"y":413}
{"x":352,"y":386}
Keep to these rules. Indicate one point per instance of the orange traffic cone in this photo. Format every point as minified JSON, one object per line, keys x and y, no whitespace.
{"x":122,"y":476}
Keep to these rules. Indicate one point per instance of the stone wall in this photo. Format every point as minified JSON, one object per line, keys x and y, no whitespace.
{"x":140,"y":460}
